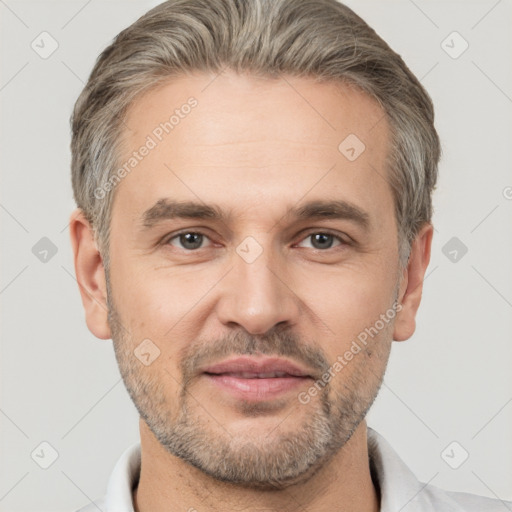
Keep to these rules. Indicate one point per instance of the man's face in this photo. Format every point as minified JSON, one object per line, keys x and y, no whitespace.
{"x":275,"y":275}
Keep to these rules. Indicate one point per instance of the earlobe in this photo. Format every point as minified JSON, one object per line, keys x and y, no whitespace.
{"x":90,"y":274}
{"x":411,"y":286}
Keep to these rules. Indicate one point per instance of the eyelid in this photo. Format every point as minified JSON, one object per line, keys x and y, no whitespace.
{"x":303,"y":235}
{"x":342,"y":237}
{"x":167,"y":238}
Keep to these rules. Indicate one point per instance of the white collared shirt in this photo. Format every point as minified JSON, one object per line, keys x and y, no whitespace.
{"x":400,"y":490}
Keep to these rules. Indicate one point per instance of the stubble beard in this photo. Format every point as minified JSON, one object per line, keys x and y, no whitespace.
{"x":289,"y":453}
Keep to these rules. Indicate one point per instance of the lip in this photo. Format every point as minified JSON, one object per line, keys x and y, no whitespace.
{"x":263,"y":365}
{"x":249,"y":378}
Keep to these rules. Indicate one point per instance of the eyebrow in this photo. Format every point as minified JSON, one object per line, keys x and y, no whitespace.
{"x":167,"y":209}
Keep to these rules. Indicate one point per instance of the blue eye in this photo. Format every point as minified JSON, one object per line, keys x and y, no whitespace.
{"x":193,"y":240}
{"x":323,"y":240}
{"x":188,"y":240}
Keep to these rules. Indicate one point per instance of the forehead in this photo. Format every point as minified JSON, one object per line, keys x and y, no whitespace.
{"x":323,"y":111}
{"x":264,"y":139}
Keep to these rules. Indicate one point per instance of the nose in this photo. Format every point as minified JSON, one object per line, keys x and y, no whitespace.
{"x":257,"y":296}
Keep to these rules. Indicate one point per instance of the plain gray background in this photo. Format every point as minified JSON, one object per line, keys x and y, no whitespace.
{"x":452,"y":382}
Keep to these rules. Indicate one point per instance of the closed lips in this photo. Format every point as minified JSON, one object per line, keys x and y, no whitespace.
{"x":250,"y":368}
{"x":253,"y":375}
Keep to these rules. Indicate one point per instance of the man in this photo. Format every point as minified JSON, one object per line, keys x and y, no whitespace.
{"x":253,"y":181}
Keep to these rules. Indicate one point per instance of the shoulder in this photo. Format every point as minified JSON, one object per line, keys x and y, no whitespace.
{"x":98,"y":504}
{"x":401,"y":490}
{"x":461,"y":501}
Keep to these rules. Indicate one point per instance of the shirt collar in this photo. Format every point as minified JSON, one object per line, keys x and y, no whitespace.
{"x":400,"y":490}
{"x":123,"y":480}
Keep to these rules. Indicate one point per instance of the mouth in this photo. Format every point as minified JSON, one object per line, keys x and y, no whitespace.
{"x":256,"y":378}
{"x":255,"y":375}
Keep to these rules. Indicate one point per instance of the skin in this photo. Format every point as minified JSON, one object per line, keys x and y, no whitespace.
{"x":256,"y":148}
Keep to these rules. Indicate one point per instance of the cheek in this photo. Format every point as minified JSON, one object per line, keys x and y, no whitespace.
{"x":346,"y":301}
{"x":149,"y":294}
{"x":163,"y":306}
{"x":167,"y":304}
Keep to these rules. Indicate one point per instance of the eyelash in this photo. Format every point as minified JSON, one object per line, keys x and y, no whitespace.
{"x":166,"y":241}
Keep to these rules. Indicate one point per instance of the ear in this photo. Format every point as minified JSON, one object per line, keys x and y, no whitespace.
{"x":90,"y":275}
{"x":411,"y":285}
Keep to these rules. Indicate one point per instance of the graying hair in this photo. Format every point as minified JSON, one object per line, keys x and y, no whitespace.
{"x":320,"y":39}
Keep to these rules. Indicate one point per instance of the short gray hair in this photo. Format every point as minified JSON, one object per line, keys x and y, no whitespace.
{"x":323,"y":39}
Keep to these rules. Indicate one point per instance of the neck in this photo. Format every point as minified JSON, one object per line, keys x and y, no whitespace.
{"x":167,"y":483}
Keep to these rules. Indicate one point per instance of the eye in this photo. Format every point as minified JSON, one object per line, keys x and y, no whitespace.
{"x":189,"y":240}
{"x":322,"y":240}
